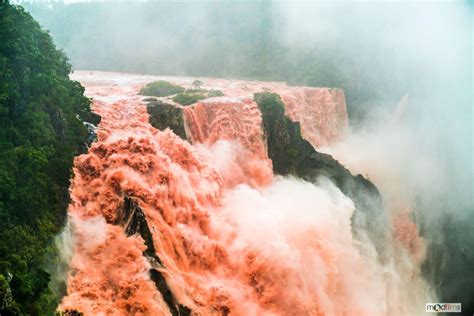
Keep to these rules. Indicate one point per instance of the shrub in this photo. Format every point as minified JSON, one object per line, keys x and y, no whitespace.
{"x":215,"y":93}
{"x":197,"y":84}
{"x":161,"y":89}
{"x":187,"y":98}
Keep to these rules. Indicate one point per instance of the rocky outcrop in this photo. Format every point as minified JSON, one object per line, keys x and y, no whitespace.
{"x":91,"y":133}
{"x":133,"y":220}
{"x":69,"y":313}
{"x":163,"y":115}
{"x":291,"y":154}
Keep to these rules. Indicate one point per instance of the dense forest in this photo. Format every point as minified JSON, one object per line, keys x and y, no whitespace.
{"x":41,"y":130}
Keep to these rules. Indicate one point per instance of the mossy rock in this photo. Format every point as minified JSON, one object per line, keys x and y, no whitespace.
{"x":163,"y":115}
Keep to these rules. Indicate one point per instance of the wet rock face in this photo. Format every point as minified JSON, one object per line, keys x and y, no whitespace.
{"x":70,"y":313}
{"x":163,"y":115}
{"x":91,"y":133}
{"x":133,"y":220}
{"x":291,"y":154}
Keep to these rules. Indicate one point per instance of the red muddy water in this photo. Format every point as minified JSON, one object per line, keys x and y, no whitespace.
{"x":232,"y":238}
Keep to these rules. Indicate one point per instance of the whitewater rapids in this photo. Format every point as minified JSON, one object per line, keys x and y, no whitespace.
{"x":231,"y":237}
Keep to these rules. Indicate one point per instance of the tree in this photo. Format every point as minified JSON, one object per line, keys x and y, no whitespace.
{"x":197,"y":84}
{"x":40,"y":134}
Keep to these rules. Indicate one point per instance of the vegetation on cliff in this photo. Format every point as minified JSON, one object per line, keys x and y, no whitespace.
{"x":41,"y":130}
{"x":163,"y":115}
{"x":189,"y":97}
{"x":180,"y":95}
{"x":161,"y":88}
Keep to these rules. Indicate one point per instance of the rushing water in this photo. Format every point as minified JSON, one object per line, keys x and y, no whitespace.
{"x":227,"y":237}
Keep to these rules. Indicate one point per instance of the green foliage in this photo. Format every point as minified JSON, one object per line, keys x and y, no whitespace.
{"x":6,"y":300}
{"x":161,"y":89}
{"x":215,"y":93}
{"x":189,"y":97}
{"x":194,"y":95}
{"x":41,"y":130}
{"x":163,"y":115}
{"x":197,"y":84}
{"x":284,"y":136}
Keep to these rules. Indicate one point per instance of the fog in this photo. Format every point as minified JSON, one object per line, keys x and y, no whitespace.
{"x":378,"y":52}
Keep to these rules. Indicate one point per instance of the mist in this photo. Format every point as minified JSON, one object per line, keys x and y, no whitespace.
{"x":406,"y":70}
{"x":377,"y":52}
